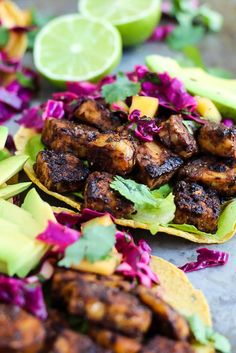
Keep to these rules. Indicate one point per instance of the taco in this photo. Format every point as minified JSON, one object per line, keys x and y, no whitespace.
{"x":161,"y":160}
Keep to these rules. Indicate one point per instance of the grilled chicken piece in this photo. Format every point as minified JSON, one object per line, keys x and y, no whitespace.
{"x":100,"y":197}
{"x":160,"y":344}
{"x":114,"y":341}
{"x":167,"y":320}
{"x":20,"y":332}
{"x":94,"y":113}
{"x":156,"y":165}
{"x":73,"y":342}
{"x":218,"y":139}
{"x":66,"y":136}
{"x":112,"y":153}
{"x":213,"y":172}
{"x":197,"y":206}
{"x":175,"y":135}
{"x":60,"y":172}
{"x":100,"y":304}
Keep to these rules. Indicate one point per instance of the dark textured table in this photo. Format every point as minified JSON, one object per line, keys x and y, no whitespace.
{"x":218,"y":284}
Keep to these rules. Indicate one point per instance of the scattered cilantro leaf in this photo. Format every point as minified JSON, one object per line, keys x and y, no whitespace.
{"x":184,"y":35}
{"x":206,"y":335}
{"x":137,"y":193}
{"x":4,"y":36}
{"x":33,"y":147}
{"x":95,"y":243}
{"x":25,"y":81}
{"x":211,"y":19}
{"x":191,"y":126}
{"x":38,"y":20}
{"x":79,"y":194}
{"x":194,"y":55}
{"x":120,"y":89}
{"x":162,"y":192}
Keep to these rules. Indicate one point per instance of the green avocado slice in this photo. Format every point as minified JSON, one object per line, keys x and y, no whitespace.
{"x":221,"y":91}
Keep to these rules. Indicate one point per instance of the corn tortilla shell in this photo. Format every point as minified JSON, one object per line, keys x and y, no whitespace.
{"x":21,"y":138}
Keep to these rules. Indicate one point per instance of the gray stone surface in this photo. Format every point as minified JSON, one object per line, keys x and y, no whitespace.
{"x":218,"y":284}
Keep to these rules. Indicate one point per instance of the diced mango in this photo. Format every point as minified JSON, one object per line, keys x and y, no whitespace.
{"x":207,"y":109}
{"x":103,"y":267}
{"x":147,"y":105}
{"x":104,"y":221}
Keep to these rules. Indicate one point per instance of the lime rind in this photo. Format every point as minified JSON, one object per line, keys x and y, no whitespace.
{"x":89,"y":56}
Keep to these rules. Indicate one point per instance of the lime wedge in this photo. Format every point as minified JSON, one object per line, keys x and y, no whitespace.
{"x":135,"y":19}
{"x":75,"y":48}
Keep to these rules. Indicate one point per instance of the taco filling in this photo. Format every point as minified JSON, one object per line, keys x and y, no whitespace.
{"x":161,"y":159}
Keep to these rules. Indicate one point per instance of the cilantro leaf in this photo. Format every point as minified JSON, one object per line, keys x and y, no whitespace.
{"x":38,"y":21}
{"x":211,"y":19}
{"x":120,"y":89}
{"x":25,"y":81}
{"x":95,"y":243}
{"x":206,"y":335}
{"x":185,"y":35}
{"x":139,"y":194}
{"x":4,"y":36}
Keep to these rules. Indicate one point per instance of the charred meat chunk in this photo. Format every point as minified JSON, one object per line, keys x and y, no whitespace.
{"x":66,"y":136}
{"x":94,"y":113}
{"x":175,"y":136}
{"x":100,"y":197}
{"x":112,"y":153}
{"x":197,"y":206}
{"x":60,"y":172}
{"x":156,"y":165}
{"x":100,"y":304}
{"x":114,"y":341}
{"x":169,"y":322}
{"x":160,"y":344}
{"x":73,"y":342}
{"x":20,"y":332}
{"x":218,"y":174}
{"x":218,"y":139}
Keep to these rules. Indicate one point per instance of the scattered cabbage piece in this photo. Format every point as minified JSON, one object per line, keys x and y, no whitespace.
{"x":20,"y":293}
{"x":53,"y":109}
{"x":144,"y":128}
{"x":161,"y":32}
{"x":206,"y":258}
{"x":228,"y":122}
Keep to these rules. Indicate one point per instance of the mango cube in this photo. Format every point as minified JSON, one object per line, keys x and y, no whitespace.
{"x":207,"y":109}
{"x":147,"y":105}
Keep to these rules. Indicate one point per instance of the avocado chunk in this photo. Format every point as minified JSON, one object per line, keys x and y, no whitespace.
{"x":221,"y":92}
{"x":11,"y":166}
{"x":40,"y":210}
{"x":3,"y":136}
{"x":9,"y":191}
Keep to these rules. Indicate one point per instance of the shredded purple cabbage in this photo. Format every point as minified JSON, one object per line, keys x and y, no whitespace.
{"x":228,"y":122}
{"x":8,"y":65}
{"x":58,"y":236}
{"x":53,"y":109}
{"x":144,"y":128}
{"x":161,"y":32}
{"x":82,"y":89}
{"x":32,"y":118}
{"x":20,"y":293}
{"x":135,"y":260}
{"x":206,"y":258}
{"x":23,"y":29}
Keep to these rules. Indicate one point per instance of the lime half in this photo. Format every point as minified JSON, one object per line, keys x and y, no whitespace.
{"x":75,"y":48}
{"x":135,"y":19}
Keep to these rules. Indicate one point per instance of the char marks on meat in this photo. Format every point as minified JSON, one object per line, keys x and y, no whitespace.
{"x":196,"y":205}
{"x":60,"y":172}
{"x":100,"y":197}
{"x":160,"y":344}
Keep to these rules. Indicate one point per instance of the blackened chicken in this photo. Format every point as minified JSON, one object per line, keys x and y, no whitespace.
{"x":66,"y":136}
{"x":218,"y":140}
{"x":175,"y":136}
{"x":20,"y":332}
{"x":156,"y":165}
{"x":109,"y":307}
{"x":160,"y":344}
{"x":169,"y":322}
{"x":94,"y":113}
{"x":197,"y":206}
{"x":73,"y":342}
{"x":100,"y":197}
{"x":114,"y":341}
{"x":218,"y":174}
{"x":112,"y":153}
{"x":60,"y":172}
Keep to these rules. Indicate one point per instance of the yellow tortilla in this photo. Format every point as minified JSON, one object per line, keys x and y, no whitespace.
{"x":22,"y":137}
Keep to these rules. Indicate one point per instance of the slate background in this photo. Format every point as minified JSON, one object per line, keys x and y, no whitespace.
{"x":218,"y":284}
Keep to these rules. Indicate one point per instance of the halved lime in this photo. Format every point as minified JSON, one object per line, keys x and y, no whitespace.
{"x":135,"y":19}
{"x":75,"y":48}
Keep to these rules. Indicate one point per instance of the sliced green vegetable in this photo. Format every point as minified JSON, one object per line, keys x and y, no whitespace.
{"x":3,"y":136}
{"x":11,"y":190}
{"x":120,"y":89}
{"x":4,"y":154}
{"x":11,"y":166}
